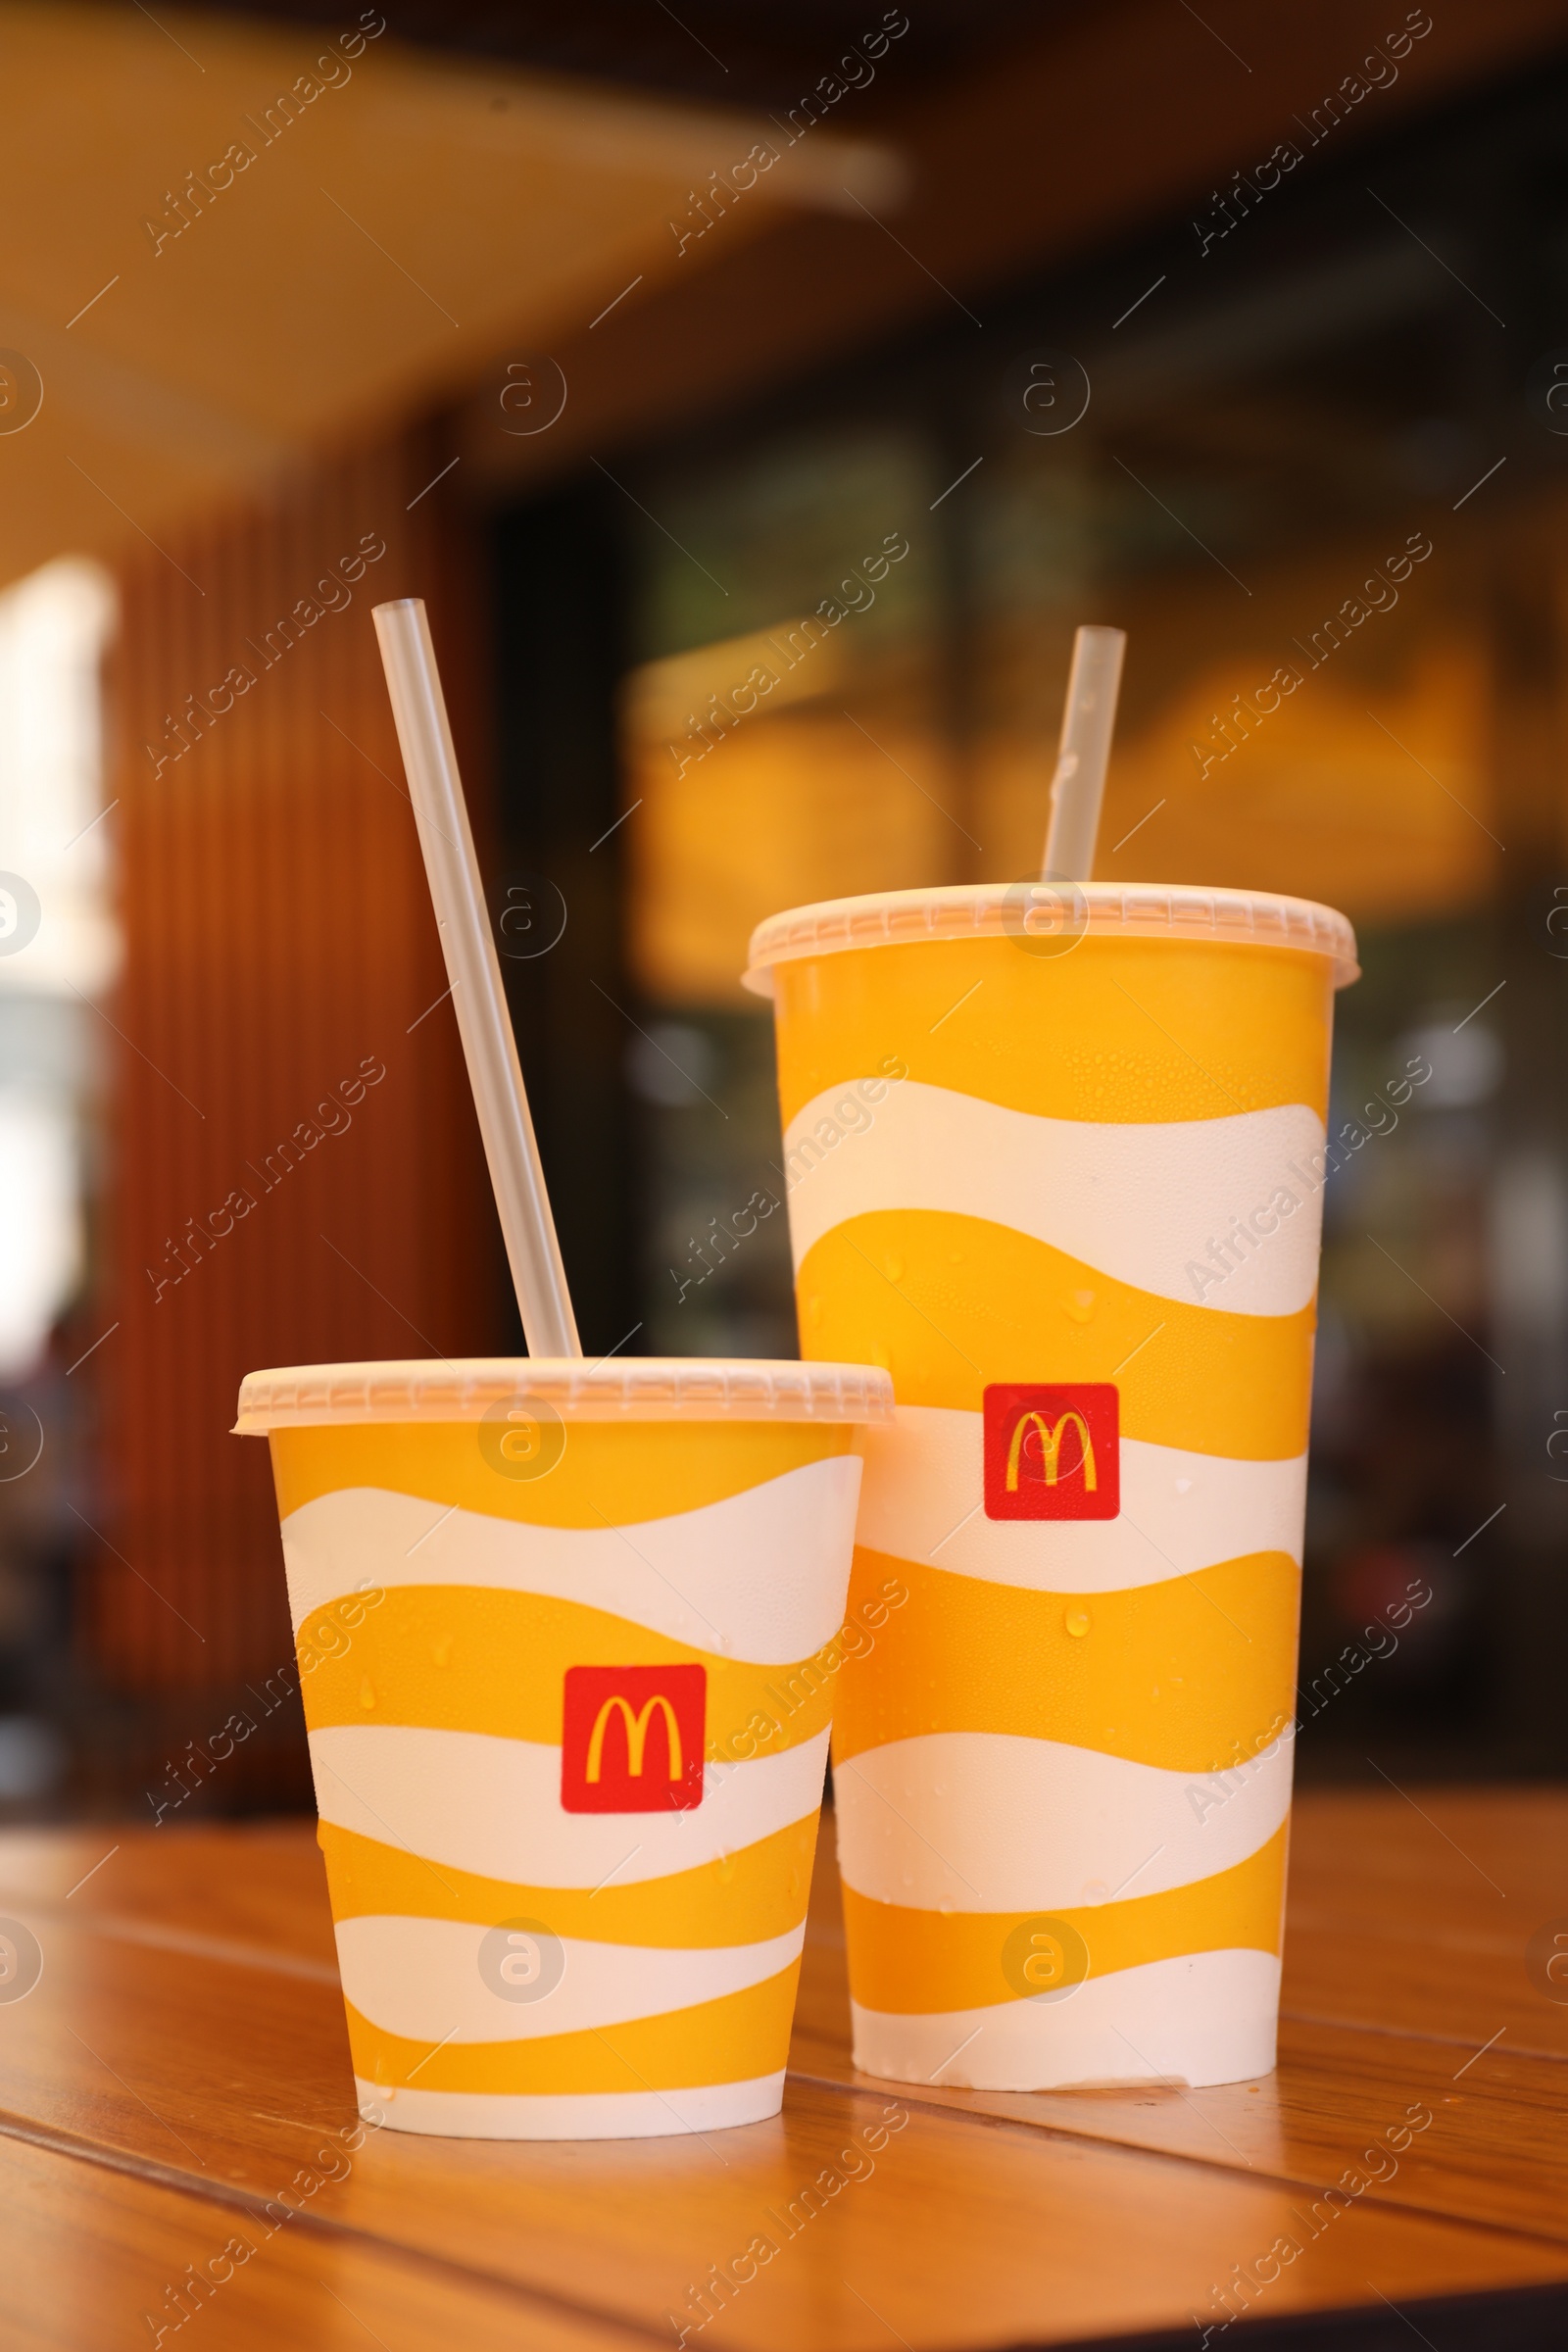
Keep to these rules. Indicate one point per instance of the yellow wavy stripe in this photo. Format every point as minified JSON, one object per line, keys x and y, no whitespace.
{"x":743,"y":1898}
{"x":1117,"y":1029}
{"x":612,"y":1474}
{"x":915,"y":1962}
{"x":471,"y":1658}
{"x":729,"y":2040}
{"x":1188,"y":1674}
{"x":948,"y":1304}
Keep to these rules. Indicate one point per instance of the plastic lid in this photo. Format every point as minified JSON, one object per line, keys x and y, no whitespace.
{"x":1041,"y":911}
{"x":622,"y":1387}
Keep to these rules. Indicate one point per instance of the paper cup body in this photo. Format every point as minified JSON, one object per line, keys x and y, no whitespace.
{"x":1066,"y":1186}
{"x":568,"y":1649}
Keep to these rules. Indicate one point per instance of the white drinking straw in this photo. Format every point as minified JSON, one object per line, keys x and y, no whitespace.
{"x":419,"y":710}
{"x":1087,"y":721}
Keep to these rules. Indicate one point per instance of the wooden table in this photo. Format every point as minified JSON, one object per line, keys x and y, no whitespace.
{"x":182,"y":2061}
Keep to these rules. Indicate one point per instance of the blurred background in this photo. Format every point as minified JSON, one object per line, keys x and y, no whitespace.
{"x":628,"y":339}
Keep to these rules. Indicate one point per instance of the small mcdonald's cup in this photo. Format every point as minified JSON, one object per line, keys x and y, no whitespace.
{"x":569,"y":1641}
{"x":1056,"y":1156}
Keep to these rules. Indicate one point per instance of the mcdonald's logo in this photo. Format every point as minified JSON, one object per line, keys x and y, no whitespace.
{"x":1053,"y":1452}
{"x":633,"y":1739}
{"x":636,"y":1736}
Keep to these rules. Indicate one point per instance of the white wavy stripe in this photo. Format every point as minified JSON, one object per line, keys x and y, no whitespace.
{"x":493,"y":1806}
{"x":1141,"y":1203}
{"x":1180,"y":1511}
{"x":989,"y":1820}
{"x":1208,"y":2017}
{"x":426,"y":1980}
{"x":571,"y":2115}
{"x":761,"y":1575}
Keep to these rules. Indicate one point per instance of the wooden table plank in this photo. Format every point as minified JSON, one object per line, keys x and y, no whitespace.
{"x":189,"y":2027}
{"x":1415,"y":1916}
{"x":94,"y":2257}
{"x":258,"y":1887}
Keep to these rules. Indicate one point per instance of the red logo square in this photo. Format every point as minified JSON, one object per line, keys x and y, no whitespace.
{"x":1053,"y":1452}
{"x":633,"y":1739}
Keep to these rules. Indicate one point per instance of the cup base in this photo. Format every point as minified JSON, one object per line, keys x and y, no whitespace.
{"x":1206,"y":2017}
{"x":572,"y":2115}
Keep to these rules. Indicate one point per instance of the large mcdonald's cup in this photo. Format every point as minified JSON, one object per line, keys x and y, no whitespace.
{"x":568,"y":1638}
{"x":1054,"y":1157}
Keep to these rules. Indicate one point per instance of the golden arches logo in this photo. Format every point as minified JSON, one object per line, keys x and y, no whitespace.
{"x":636,"y":1736}
{"x":1050,"y":1437}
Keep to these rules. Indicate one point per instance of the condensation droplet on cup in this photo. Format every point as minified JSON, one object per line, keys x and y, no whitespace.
{"x":895,"y":1269}
{"x":1080,"y":1305}
{"x":1077,"y":1622}
{"x":441,"y":1655}
{"x":367,"y":1693}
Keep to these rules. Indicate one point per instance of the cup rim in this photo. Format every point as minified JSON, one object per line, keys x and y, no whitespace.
{"x":615,"y":1389}
{"x":1256,"y":919}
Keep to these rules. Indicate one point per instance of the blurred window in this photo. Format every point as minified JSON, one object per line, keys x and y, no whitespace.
{"x":58,"y":944}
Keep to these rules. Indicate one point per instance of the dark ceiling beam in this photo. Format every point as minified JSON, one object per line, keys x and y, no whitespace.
{"x":710,"y":51}
{"x":1045,"y":152}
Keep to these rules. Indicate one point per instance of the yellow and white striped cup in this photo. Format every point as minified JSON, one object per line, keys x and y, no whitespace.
{"x":569,"y":1641}
{"x":1055,"y":1159}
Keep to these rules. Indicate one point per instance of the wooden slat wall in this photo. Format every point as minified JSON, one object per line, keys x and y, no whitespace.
{"x":278,"y":934}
